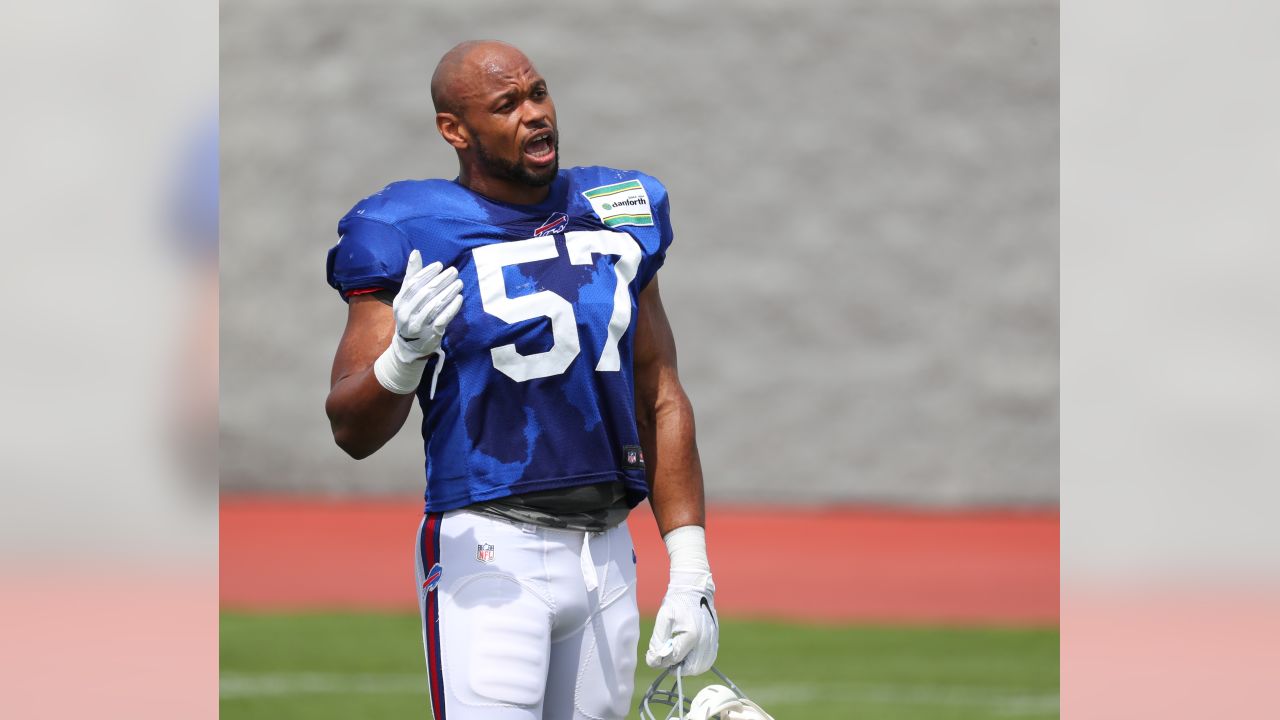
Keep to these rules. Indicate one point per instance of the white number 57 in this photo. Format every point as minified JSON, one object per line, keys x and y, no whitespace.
{"x":582,"y":245}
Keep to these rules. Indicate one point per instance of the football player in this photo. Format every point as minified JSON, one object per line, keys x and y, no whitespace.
{"x":519,"y":305}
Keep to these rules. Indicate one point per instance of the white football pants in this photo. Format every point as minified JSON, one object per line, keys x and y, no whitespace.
{"x":526,"y":622}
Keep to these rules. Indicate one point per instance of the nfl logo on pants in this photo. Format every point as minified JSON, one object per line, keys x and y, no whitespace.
{"x":484,"y":553}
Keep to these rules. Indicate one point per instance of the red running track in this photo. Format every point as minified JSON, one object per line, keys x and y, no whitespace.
{"x":823,"y":564}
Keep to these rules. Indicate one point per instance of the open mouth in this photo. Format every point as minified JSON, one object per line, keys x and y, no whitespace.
{"x":540,"y":149}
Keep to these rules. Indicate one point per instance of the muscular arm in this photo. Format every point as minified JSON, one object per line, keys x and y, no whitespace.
{"x":362,"y":414}
{"x":665,"y":420}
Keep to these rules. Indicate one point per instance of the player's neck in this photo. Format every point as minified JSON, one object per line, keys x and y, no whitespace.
{"x":503,"y":190}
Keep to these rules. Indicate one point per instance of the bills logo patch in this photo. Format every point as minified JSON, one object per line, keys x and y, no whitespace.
{"x":433,"y":578}
{"x":554,"y":224}
{"x":484,"y":553}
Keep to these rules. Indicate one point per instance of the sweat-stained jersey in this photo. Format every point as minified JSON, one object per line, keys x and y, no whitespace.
{"x":533,"y":386}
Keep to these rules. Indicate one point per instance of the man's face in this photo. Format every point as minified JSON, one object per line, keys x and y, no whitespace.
{"x":512,"y":122}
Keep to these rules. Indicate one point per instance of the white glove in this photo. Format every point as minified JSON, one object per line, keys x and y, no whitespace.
{"x":427,"y":301}
{"x":686,"y":630}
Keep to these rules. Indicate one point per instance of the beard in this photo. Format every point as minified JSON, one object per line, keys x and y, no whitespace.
{"x":517,"y":172}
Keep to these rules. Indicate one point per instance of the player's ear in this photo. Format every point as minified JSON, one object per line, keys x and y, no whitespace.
{"x":453,"y":131}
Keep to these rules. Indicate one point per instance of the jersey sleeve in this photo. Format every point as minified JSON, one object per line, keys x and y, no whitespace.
{"x":370,"y":255}
{"x":653,"y":261}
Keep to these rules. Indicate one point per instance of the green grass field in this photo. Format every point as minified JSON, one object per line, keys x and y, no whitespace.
{"x":365,"y":666}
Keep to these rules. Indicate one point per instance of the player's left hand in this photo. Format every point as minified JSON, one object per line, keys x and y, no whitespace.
{"x":686,"y":630}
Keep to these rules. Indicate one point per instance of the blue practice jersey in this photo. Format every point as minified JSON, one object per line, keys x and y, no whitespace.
{"x":533,"y":387}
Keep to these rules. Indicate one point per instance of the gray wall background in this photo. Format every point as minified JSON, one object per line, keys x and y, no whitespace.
{"x":864,"y":284}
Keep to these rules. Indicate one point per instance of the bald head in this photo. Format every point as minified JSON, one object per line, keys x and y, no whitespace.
{"x":462,"y":70}
{"x":495,"y":110}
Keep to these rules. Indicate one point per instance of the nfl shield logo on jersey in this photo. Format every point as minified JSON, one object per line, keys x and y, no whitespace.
{"x":633,"y":457}
{"x":484,"y":553}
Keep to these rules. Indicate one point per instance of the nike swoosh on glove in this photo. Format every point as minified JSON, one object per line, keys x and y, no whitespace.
{"x":686,"y":630}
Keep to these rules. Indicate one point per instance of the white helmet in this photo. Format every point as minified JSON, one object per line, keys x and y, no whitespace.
{"x":713,"y":702}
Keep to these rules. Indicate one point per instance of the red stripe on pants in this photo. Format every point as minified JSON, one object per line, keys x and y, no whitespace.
{"x":431,"y":556}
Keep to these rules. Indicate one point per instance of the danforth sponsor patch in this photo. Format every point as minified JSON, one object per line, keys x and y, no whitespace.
{"x":624,"y":203}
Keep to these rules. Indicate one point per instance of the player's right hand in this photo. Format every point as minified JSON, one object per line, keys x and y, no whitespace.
{"x":429,"y":298}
